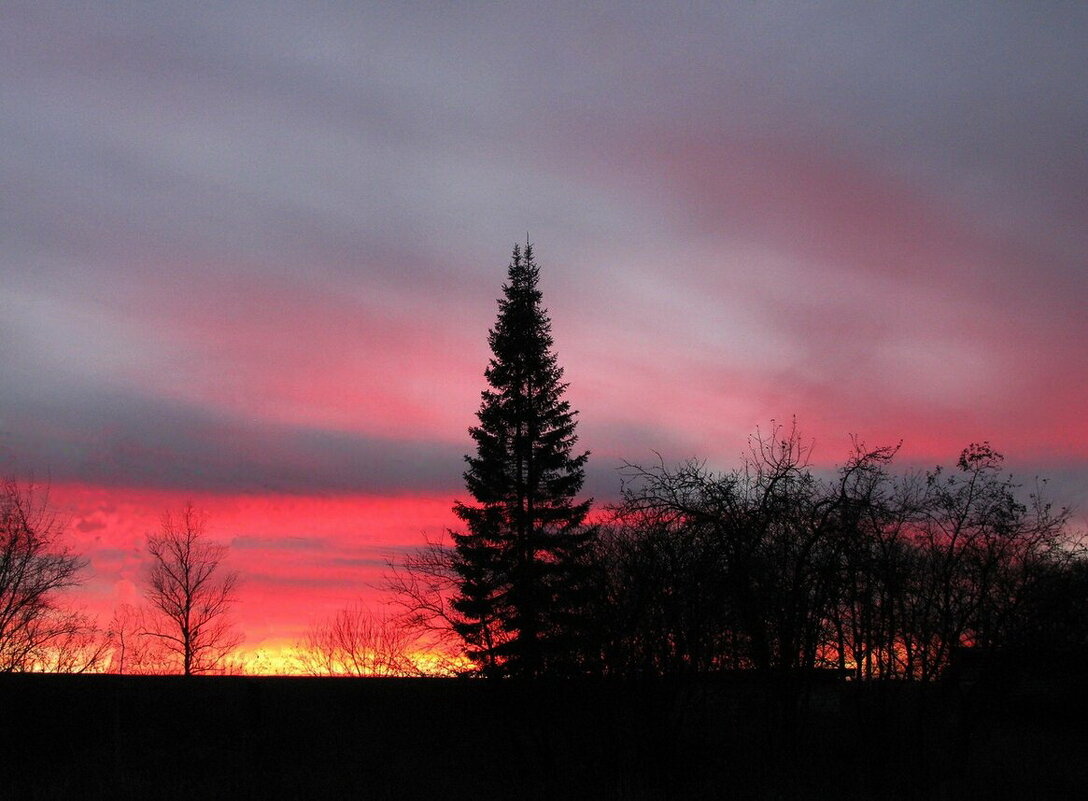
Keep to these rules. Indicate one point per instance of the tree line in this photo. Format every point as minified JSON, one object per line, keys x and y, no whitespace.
{"x":772,"y":566}
{"x":768,"y":567}
{"x":877,"y":574}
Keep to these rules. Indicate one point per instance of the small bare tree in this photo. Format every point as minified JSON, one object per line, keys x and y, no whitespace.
{"x":130,"y":648}
{"x":190,"y":595}
{"x":355,"y":642}
{"x":36,"y":633}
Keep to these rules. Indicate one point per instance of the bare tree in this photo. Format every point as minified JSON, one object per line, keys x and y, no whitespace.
{"x":355,"y":642}
{"x":980,"y":549}
{"x":190,"y":594}
{"x":422,"y":584}
{"x":35,"y":567}
{"x":78,"y":646}
{"x":131,"y":649}
{"x":122,"y":635}
{"x":740,"y":557}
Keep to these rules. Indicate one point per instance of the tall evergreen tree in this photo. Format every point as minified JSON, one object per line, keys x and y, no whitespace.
{"x":521,"y":562}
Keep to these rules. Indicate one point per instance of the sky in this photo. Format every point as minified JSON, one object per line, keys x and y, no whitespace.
{"x":251,"y":253}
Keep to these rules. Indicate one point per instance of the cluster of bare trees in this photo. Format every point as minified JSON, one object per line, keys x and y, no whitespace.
{"x":772,"y":567}
{"x":356,"y":642}
{"x":184,"y":626}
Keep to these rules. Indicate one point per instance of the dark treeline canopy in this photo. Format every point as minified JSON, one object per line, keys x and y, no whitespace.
{"x":885,"y":576}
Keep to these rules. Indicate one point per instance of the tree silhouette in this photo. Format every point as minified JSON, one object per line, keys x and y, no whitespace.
{"x":35,"y":633}
{"x":356,"y":642}
{"x":772,"y":567}
{"x":737,"y":558}
{"x":520,"y":563}
{"x":189,"y":593}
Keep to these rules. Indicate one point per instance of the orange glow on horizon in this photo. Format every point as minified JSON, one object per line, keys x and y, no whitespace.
{"x":283,"y":658}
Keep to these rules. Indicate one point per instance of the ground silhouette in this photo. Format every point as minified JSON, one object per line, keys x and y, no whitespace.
{"x":732,"y":735}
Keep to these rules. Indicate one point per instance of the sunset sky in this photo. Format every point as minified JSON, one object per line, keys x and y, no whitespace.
{"x":251,"y":252}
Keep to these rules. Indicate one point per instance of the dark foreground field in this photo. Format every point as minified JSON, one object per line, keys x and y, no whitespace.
{"x":731,"y":737}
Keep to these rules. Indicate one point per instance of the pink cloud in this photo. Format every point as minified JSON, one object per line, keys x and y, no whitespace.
{"x":824,"y":283}
{"x":292,"y":351}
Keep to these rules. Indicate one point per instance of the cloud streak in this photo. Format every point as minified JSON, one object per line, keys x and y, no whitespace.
{"x":125,"y":440}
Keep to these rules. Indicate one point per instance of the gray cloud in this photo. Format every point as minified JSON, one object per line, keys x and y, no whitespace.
{"x":124,"y":439}
{"x":291,"y":544}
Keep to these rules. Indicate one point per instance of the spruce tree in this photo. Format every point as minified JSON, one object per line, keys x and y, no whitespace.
{"x":521,"y":562}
